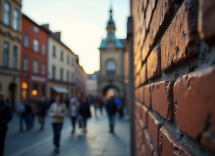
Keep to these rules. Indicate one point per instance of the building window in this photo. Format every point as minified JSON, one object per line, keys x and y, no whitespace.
{"x":67,"y":59}
{"x":61,"y":74}
{"x":35,"y":67}
{"x":15,"y":53}
{"x":36,"y":29}
{"x":67,"y":76}
{"x":43,"y":49}
{"x":54,"y":51}
{"x":110,"y":45}
{"x":15,"y":19}
{"x":26,"y":41}
{"x":25,"y":64}
{"x":6,"y":55}
{"x":61,"y":55}
{"x":111,"y":67}
{"x":53,"y":72}
{"x":36,"y":45}
{"x":43,"y":69}
{"x":6,"y":13}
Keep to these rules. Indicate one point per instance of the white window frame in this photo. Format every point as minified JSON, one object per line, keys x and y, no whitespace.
{"x":36,"y":45}
{"x":35,"y":66}
{"x":25,"y":64}
{"x":26,"y":41}
{"x":6,"y":13}
{"x":15,"y":19}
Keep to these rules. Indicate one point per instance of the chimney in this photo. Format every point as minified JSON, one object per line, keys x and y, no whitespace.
{"x":58,"y":34}
{"x":46,"y":25}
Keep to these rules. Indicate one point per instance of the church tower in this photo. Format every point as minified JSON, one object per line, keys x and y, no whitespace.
{"x":111,"y":74}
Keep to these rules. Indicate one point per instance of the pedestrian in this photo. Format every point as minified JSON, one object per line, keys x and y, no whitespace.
{"x":95,"y":104}
{"x":118,"y":104}
{"x":33,"y":105}
{"x":111,"y":110}
{"x":42,"y":106}
{"x":73,"y":113}
{"x":101,"y":103}
{"x":5,"y":117}
{"x":27,"y":115}
{"x":85,"y":113}
{"x":57,"y":111}
{"x":21,"y":113}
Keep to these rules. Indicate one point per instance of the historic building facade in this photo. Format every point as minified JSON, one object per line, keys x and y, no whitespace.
{"x":111,"y":74}
{"x":92,"y":84}
{"x":10,"y":49}
{"x":81,"y":78}
{"x":33,"y":59}
{"x":61,"y":67}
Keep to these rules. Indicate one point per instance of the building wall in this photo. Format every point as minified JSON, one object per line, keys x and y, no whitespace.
{"x":9,"y":76}
{"x":59,"y":64}
{"x":112,"y":54}
{"x":28,"y":76}
{"x":81,"y":79}
{"x":92,"y":87}
{"x":174,"y":57}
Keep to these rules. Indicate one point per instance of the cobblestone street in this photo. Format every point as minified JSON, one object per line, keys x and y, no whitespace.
{"x":97,"y":142}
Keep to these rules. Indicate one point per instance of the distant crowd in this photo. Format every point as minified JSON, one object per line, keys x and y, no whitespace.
{"x":77,"y":109}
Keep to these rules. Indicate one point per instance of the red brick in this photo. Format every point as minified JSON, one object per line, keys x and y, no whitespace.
{"x":148,"y":145}
{"x":137,"y":81}
{"x":180,"y":42}
{"x":194,"y":99}
{"x":143,"y":33}
{"x":143,"y":150}
{"x":170,"y":146}
{"x":143,"y":77}
{"x":149,"y":12}
{"x":176,"y":1}
{"x":145,"y":4}
{"x":160,"y":19}
{"x":146,"y":48}
{"x":137,"y":57}
{"x":144,"y":115}
{"x":206,"y":20}
{"x":154,"y":63}
{"x":154,"y":126}
{"x":162,"y":99}
{"x":147,"y":96}
{"x":137,"y":67}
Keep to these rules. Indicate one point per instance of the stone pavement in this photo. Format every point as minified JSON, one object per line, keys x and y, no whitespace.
{"x":97,"y":142}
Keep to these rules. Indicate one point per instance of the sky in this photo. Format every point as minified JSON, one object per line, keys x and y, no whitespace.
{"x":82,"y":23}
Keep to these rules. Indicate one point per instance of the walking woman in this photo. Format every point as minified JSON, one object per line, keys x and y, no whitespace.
{"x":73,"y":113}
{"x":85,"y":113}
{"x":57,"y":111}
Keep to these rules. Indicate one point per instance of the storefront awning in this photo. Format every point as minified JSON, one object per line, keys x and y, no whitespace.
{"x":60,"y":89}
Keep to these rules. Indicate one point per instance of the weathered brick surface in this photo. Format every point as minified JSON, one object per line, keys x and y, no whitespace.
{"x":180,"y":42}
{"x":176,"y":1}
{"x":154,"y":63}
{"x":145,"y":4}
{"x":161,"y":17}
{"x":170,"y":146}
{"x":206,"y":20}
{"x":137,"y":68}
{"x":194,"y":99}
{"x":143,"y":150}
{"x":149,"y":12}
{"x":154,"y":126}
{"x":144,"y":116}
{"x":162,"y":99}
{"x":141,"y":94}
{"x":143,"y":76}
{"x":147,"y":96}
{"x":147,"y":143}
{"x":146,"y":48}
{"x":137,"y":81}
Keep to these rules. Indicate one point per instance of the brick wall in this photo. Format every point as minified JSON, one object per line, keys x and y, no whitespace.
{"x":174,"y":77}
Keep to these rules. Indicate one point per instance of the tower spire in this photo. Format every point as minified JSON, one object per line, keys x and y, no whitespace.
{"x":111,"y":11}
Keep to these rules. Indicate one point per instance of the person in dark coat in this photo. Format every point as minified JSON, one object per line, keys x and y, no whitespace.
{"x":111,"y":110}
{"x":42,"y":107}
{"x":27,"y":115}
{"x":85,"y":113}
{"x":5,"y":117}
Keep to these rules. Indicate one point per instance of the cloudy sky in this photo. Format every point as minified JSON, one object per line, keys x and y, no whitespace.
{"x":82,"y":23}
